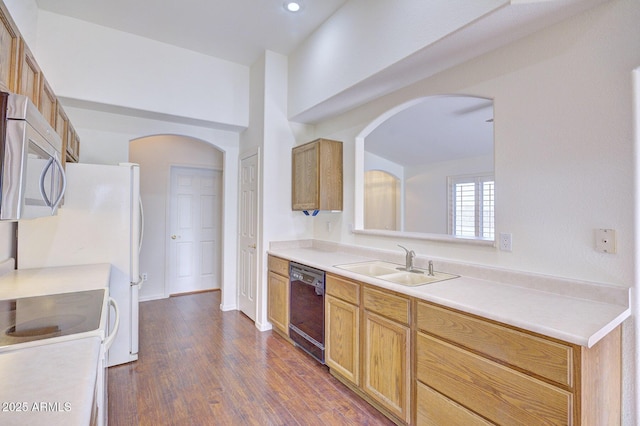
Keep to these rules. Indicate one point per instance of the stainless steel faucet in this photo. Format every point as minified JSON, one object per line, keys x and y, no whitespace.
{"x":410,"y":255}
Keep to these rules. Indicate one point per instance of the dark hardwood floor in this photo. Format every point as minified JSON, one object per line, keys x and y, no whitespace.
{"x":201,"y":366}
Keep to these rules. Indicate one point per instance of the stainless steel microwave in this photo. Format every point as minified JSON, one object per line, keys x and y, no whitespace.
{"x":32,"y":176}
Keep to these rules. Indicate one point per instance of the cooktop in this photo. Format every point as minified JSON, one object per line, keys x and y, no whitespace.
{"x":28,"y":319}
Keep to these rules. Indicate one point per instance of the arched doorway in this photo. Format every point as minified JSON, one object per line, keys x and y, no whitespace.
{"x":157,"y":156}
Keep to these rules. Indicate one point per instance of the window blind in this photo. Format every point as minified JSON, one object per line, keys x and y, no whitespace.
{"x":471,"y":206}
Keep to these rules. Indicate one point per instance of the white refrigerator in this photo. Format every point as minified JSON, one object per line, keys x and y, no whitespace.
{"x":100,"y":222}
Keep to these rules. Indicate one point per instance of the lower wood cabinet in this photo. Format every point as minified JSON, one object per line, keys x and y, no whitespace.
{"x":386,"y":374}
{"x":342,"y":327}
{"x":342,"y":338}
{"x":278,"y":295}
{"x":386,"y":350}
{"x":425,"y":364}
{"x":487,"y":371}
{"x":503,"y":395}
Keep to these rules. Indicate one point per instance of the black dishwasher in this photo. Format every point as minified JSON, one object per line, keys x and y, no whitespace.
{"x":306,"y":309}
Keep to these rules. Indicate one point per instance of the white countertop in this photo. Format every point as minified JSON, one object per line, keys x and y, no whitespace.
{"x":56,"y":377}
{"x":61,"y":279}
{"x":579,"y":320}
{"x":49,"y":384}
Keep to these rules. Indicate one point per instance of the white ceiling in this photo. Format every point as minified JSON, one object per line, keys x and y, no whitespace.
{"x":234,"y":30}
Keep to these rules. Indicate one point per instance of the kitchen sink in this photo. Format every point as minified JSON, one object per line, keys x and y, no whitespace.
{"x":372,"y":269}
{"x":393,"y":272}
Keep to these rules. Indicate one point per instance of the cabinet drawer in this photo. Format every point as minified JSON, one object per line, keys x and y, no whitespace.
{"x":542,"y":357}
{"x":386,"y":304}
{"x":279,"y":266}
{"x":344,"y":289}
{"x":496,"y":392}
{"x":435,"y":409}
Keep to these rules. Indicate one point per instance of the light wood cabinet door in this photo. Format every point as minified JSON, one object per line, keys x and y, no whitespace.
{"x":386,"y":362}
{"x":62,"y":123}
{"x":278,"y":302}
{"x":342,"y":331}
{"x":48,"y":102}
{"x":9,"y":50}
{"x":28,"y":75}
{"x":73,"y":144}
{"x":317,"y":176}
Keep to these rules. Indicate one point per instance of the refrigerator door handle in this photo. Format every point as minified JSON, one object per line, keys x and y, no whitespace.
{"x":141,"y":226}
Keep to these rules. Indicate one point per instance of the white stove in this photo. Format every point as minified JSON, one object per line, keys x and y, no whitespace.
{"x":37,"y":320}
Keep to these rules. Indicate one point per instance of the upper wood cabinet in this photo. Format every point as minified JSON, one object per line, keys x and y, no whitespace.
{"x":73,"y":144}
{"x":28,"y":75}
{"x":48,"y":102}
{"x":9,"y":51}
{"x":317,"y":176}
{"x":20,"y":73}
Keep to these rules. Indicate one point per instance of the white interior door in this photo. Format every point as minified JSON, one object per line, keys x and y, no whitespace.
{"x":248,"y":238}
{"x":194,"y":230}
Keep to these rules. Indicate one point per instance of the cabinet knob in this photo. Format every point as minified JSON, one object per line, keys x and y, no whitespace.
{"x":173,"y":237}
{"x":252,"y":245}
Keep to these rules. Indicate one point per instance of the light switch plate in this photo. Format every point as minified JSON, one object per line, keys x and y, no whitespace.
{"x":606,"y":240}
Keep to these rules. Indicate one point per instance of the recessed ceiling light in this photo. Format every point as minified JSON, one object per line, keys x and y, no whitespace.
{"x":293,"y":6}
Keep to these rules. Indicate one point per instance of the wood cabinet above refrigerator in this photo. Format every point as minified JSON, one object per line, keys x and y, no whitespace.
{"x":317,"y":176}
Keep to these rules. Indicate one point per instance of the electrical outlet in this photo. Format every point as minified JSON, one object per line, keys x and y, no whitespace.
{"x":145,"y":276}
{"x":606,"y":240}
{"x":505,"y":241}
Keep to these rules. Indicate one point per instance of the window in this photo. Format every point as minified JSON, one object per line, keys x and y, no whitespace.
{"x":471,"y":206}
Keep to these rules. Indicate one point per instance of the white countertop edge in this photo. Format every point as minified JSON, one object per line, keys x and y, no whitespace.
{"x":56,"y":279}
{"x":574,"y":332}
{"x":595,"y":338}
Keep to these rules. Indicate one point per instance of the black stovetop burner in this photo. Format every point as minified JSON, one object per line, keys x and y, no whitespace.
{"x":42,"y":317}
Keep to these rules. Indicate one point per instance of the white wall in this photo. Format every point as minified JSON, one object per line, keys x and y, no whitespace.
{"x":554,"y":130}
{"x":116,"y":68}
{"x":563,"y":151}
{"x":273,"y":135}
